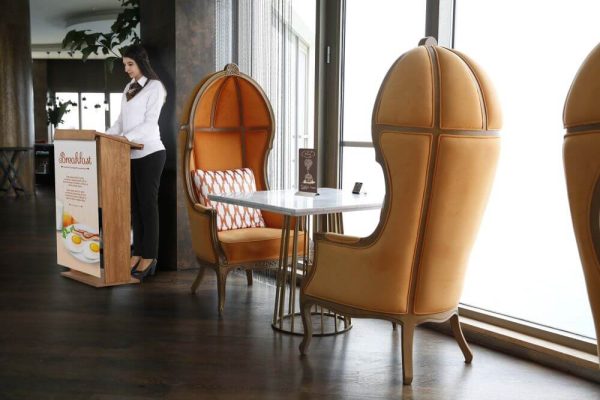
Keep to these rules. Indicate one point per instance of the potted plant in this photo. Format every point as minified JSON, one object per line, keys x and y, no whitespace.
{"x":56,"y":110}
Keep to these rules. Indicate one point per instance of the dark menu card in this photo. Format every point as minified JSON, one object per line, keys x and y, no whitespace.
{"x":307,"y":171}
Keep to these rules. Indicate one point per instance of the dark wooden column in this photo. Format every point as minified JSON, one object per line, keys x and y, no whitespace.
{"x":40,"y":97}
{"x":196,"y":37}
{"x":180,"y":38}
{"x":16,"y":89}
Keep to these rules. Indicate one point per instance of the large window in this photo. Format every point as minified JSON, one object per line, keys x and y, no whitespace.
{"x":525,"y":262}
{"x":274,"y":42}
{"x":375,"y":36}
{"x":95,"y":111}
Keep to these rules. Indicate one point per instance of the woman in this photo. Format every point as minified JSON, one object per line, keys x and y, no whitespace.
{"x":142,"y":101}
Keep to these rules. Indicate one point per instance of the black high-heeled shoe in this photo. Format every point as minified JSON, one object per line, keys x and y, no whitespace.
{"x":134,"y":268}
{"x":151,"y":270}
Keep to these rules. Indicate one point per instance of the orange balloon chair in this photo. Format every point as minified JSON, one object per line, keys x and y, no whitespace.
{"x":228,"y":124}
{"x":581,"y":156}
{"x":434,"y":129}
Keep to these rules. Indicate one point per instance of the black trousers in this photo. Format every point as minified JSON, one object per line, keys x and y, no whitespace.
{"x":145,"y":181}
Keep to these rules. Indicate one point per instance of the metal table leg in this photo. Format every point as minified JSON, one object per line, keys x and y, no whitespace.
{"x":286,"y":321}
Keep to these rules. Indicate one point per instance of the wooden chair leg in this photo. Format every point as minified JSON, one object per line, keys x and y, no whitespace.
{"x":221,"y":282}
{"x":198,"y":280}
{"x":394,"y":326}
{"x":460,"y":338}
{"x":249,"y":276}
{"x":307,"y":324}
{"x":408,"y":331}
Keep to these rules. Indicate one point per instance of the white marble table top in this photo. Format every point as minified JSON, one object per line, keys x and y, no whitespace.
{"x":287,"y":202}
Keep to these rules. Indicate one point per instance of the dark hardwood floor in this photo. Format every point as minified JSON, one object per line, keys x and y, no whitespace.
{"x":60,"y":339}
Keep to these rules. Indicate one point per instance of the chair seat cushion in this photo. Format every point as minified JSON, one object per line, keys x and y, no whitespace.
{"x":229,"y":216}
{"x":255,"y":244}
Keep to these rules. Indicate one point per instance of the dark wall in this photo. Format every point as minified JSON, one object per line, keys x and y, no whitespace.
{"x":79,"y":76}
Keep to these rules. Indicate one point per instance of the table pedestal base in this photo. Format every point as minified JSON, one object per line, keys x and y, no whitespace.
{"x":324,"y":322}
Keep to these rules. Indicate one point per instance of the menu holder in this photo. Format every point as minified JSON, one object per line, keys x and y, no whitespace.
{"x":307,"y":172}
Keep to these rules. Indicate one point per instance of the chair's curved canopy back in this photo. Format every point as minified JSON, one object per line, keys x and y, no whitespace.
{"x":230,"y":125}
{"x":581,"y":153}
{"x":434,"y":129}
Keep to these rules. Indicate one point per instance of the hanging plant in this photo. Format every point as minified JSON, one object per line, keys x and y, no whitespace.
{"x":111,"y":43}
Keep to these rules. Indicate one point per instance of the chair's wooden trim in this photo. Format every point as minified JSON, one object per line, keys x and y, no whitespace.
{"x":431,"y":173}
{"x":444,"y":131}
{"x":401,"y":319}
{"x":238,"y":93}
{"x":271,"y":129}
{"x":482,"y":101}
{"x":187,"y":178}
{"x":586,"y":128}
{"x":212,"y":214}
{"x":594,"y":219}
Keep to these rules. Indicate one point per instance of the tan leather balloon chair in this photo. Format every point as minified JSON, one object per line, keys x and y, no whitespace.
{"x":434,"y":130}
{"x":581,"y":155}
{"x":228,"y":124}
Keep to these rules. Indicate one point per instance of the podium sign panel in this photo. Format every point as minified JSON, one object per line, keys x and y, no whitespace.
{"x":76,"y":188}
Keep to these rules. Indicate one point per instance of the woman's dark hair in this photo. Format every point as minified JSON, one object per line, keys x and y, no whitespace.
{"x":138,"y":54}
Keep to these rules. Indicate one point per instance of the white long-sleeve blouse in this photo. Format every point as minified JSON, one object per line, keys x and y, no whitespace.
{"x":138,"y":120}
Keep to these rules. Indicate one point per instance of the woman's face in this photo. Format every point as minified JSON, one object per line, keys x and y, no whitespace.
{"x":131,"y":68}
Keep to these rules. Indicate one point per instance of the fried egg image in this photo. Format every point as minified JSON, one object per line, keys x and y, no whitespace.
{"x":74,"y":243}
{"x":91,"y":250}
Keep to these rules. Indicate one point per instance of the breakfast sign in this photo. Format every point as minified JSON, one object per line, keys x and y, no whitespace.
{"x":76,"y":188}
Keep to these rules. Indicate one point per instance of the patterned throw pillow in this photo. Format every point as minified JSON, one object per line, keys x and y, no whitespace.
{"x":229,"y":216}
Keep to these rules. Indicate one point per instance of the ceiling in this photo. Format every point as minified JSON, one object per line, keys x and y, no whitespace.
{"x":52,"y":19}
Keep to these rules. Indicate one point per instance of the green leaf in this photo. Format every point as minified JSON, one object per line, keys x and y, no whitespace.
{"x":122,"y":30}
{"x":86,"y":52}
{"x":75,"y":39}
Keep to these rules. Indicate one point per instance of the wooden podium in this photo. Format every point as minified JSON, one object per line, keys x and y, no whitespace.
{"x":113,"y":179}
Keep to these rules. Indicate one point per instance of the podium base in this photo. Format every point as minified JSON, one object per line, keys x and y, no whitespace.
{"x":93,"y":280}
